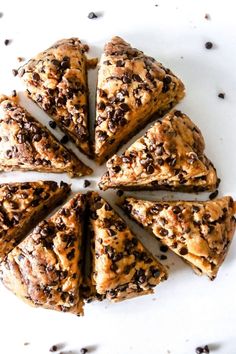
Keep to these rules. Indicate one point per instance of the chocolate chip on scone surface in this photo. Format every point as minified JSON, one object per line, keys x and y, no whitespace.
{"x":131,"y":87}
{"x":45,"y":269}
{"x":199,"y":232}
{"x":170,"y":155}
{"x":25,"y":144}
{"x":56,"y":79}
{"x":121,"y":267}
{"x":22,"y":206}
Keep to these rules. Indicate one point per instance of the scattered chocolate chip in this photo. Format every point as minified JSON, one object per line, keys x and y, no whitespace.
{"x":164,"y":248}
{"x":7,"y":41}
{"x":183,"y":251}
{"x":221,"y":95}
{"x":26,"y":343}
{"x":213,"y":195}
{"x":124,"y":107}
{"x":116,"y":169}
{"x":178,"y":113}
{"x":163,"y":257}
{"x":14,"y":93}
{"x":64,"y":139}
{"x":199,"y":350}
{"x":92,"y":15}
{"x":53,"y":348}
{"x":20,"y":59}
{"x":167,"y":80}
{"x":208,"y":45}
{"x":206,"y":349}
{"x":83,"y":350}
{"x":119,"y":193}
{"x":14,"y":72}
{"x":155,"y":272}
{"x":86,"y":183}
{"x":207,"y":17}
{"x":52,"y":124}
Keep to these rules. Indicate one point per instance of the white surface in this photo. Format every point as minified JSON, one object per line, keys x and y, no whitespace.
{"x":186,"y":311}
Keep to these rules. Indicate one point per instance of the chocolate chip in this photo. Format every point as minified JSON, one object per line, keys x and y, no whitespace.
{"x":14,"y":93}
{"x":156,"y":209}
{"x":150,"y":169}
{"x":155,"y":272}
{"x":120,"y":63}
{"x":92,"y":15}
{"x":183,"y":251}
{"x":53,"y":348}
{"x":123,"y":122}
{"x":86,"y":183}
{"x":83,"y":350}
{"x":206,"y":349}
{"x":176,"y":209}
{"x":64,"y":139}
{"x":213,"y":195}
{"x":195,"y":208}
{"x":207,"y":17}
{"x":52,"y":124}
{"x":164,"y":248}
{"x":137,"y":78}
{"x":7,"y":41}
{"x":71,"y":254}
{"x":101,"y":105}
{"x":116,"y":169}
{"x":163,"y":232}
{"x":124,"y":107}
{"x":14,"y":72}
{"x":160,"y":162}
{"x":178,"y":113}
{"x":102,"y":136}
{"x":35,"y":76}
{"x":167,"y":80}
{"x":221,"y":95}
{"x":199,"y":350}
{"x":119,"y":193}
{"x":126,"y":79}
{"x":163,"y":257}
{"x":208,"y":45}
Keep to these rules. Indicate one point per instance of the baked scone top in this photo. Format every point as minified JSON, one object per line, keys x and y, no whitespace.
{"x":25,"y":144}
{"x":56,"y":79}
{"x":24,"y":204}
{"x":121,"y":267}
{"x":45,"y":268}
{"x":170,"y":155}
{"x":200,"y":232}
{"x":131,"y":87}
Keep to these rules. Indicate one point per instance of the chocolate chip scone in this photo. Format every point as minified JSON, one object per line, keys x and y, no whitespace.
{"x":45,"y":269}
{"x":22,"y":206}
{"x":56,"y":79}
{"x":25,"y":144}
{"x":121,"y":267}
{"x":199,"y":232}
{"x":131,"y":87}
{"x":170,"y":155}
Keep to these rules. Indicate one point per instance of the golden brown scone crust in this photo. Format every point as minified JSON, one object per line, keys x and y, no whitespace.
{"x":45,"y":268}
{"x":56,"y":79}
{"x":200,"y":232}
{"x":170,"y":155}
{"x":25,"y":144}
{"x":131,"y":87}
{"x":121,"y":267}
{"x":22,"y":206}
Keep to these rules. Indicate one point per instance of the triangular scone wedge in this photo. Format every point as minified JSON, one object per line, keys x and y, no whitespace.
{"x":25,"y":144}
{"x":131,"y":87}
{"x":169,"y":156}
{"x":199,"y":232}
{"x":56,"y":80}
{"x":45,"y":269}
{"x":121,"y":267}
{"x":22,"y":206}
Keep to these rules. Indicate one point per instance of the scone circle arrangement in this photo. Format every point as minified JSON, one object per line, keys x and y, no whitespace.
{"x":85,"y":251}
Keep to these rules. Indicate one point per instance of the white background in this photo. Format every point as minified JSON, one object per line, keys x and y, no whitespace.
{"x":187,"y":310}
